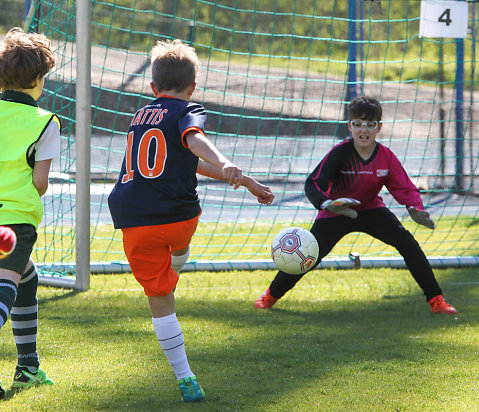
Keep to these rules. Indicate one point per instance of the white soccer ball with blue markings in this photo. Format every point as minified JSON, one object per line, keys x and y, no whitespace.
{"x":294,"y":250}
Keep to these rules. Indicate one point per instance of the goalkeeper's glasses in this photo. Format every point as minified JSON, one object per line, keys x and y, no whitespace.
{"x":370,"y":125}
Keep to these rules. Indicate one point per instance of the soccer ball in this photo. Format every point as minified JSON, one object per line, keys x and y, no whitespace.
{"x":294,"y":250}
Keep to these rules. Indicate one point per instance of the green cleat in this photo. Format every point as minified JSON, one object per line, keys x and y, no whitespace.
{"x":25,"y":378}
{"x":2,"y":391}
{"x":191,"y":389}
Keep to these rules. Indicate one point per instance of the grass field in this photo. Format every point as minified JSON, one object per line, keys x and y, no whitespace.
{"x":352,"y":340}
{"x":453,"y":236}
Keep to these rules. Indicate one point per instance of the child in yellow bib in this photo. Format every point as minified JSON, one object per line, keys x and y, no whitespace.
{"x":29,"y":140}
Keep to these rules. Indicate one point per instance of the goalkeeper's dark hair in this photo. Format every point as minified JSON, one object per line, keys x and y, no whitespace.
{"x":365,"y":108}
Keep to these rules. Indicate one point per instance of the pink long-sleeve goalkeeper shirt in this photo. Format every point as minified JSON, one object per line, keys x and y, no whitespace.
{"x":343,"y":173}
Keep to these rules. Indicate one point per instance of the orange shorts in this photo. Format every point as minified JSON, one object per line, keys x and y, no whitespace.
{"x":148,"y":250}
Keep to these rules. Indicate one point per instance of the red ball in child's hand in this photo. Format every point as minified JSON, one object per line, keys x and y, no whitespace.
{"x":8,"y":241}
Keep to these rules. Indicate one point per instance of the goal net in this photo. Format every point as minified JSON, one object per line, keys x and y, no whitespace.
{"x":275,"y":79}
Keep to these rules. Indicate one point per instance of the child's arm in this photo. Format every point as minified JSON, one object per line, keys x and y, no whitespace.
{"x":207,"y":151}
{"x":406,"y":193}
{"x":46,"y":149}
{"x":263,"y":193}
{"x":41,"y":169}
{"x":400,"y":185}
{"x":318,"y":183}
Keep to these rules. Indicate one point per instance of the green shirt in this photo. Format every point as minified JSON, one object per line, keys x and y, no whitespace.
{"x":22,"y":123}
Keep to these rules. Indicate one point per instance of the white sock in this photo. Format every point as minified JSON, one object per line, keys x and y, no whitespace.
{"x":177,"y":262}
{"x":168,"y":333}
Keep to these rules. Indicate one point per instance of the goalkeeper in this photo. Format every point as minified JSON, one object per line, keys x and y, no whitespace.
{"x":345,"y":188}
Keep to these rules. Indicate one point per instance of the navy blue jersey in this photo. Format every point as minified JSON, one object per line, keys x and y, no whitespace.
{"x":157,"y":182}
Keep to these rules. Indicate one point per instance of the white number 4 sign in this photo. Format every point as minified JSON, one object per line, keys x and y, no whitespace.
{"x":441,"y":18}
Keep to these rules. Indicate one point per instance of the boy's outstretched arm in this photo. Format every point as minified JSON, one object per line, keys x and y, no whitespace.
{"x":263,"y":193}
{"x":207,"y":151}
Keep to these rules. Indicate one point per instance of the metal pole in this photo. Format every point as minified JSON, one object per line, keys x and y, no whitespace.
{"x":28,"y":4}
{"x":361,"y":44}
{"x":471,"y":90}
{"x":442,"y":117}
{"x":261,"y":264}
{"x":459,"y":178}
{"x":83,"y":137}
{"x":352,"y":78}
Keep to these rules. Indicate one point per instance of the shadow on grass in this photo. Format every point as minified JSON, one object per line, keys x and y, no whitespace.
{"x":253,"y":360}
{"x":10,"y":393}
{"x":262,"y":357}
{"x":60,"y":296}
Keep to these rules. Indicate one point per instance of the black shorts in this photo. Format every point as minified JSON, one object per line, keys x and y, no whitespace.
{"x":18,"y":259}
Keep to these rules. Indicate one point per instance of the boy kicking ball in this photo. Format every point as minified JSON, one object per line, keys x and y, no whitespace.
{"x":155,"y":203}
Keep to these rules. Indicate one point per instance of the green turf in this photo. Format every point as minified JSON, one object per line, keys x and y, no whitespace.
{"x":453,"y":236}
{"x":352,"y":340}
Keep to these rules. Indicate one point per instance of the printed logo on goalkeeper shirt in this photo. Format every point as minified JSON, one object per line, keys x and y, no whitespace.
{"x":357,"y":172}
{"x":382,"y":172}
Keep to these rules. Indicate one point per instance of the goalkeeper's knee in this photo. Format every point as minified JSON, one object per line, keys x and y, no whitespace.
{"x":177,"y":262}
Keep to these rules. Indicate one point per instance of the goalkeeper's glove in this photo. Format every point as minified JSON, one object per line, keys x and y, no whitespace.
{"x":421,"y":217}
{"x":341,"y":206}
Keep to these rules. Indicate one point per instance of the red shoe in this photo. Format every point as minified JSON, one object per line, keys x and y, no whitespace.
{"x":439,"y":305}
{"x":8,"y":241}
{"x":265,"y":301}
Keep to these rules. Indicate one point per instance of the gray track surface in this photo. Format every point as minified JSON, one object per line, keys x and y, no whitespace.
{"x":278,"y":154}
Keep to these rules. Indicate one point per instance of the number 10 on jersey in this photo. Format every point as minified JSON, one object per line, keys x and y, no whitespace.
{"x":151,"y":163}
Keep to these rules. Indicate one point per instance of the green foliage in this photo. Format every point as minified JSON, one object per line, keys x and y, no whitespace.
{"x":308,"y":35}
{"x":360,"y":340}
{"x":12,"y":14}
{"x":303,"y":35}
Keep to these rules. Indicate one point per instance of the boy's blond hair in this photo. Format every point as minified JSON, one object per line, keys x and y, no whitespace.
{"x":174,"y":65}
{"x":24,"y":58}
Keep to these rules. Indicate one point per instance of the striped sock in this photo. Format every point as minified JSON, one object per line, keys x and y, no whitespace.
{"x":168,"y":333}
{"x":8,"y":291}
{"x":25,"y":319}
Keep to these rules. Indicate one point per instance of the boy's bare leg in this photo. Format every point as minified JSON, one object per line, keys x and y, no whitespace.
{"x":162,"y":305}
